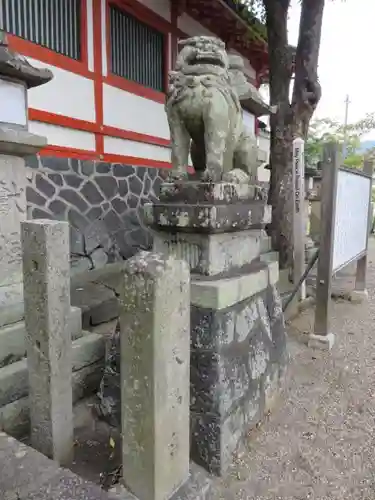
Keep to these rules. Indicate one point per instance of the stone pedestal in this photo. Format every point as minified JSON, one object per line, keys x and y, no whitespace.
{"x":14,"y":145}
{"x":238,"y":342}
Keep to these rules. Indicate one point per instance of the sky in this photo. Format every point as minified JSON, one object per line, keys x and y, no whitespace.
{"x":346,"y":62}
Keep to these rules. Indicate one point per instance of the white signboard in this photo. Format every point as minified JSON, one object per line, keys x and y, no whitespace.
{"x":351,"y":217}
{"x":298,"y":212}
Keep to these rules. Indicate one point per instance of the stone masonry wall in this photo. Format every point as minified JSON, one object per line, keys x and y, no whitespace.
{"x":101,"y":201}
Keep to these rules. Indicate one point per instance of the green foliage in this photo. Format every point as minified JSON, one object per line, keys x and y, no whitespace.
{"x":253,"y":12}
{"x":322,"y":131}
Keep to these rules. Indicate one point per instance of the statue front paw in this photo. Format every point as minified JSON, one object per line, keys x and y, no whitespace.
{"x":211,"y":175}
{"x":177,"y":175}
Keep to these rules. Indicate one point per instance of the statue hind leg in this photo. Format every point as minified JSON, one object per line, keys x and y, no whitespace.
{"x":216,"y":130}
{"x":246,"y":155}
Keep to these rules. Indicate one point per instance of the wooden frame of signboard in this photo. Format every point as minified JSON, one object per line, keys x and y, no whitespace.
{"x":333,"y":217}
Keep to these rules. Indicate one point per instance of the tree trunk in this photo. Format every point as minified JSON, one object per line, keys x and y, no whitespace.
{"x":291,"y":119}
{"x":280,"y":185}
{"x":307,"y":90}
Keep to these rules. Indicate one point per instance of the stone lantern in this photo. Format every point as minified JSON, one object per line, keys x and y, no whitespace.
{"x":16,"y":142}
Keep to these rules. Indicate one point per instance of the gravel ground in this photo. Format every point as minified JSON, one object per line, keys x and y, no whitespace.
{"x":319,"y":442}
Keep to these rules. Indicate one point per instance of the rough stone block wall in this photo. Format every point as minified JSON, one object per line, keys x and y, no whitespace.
{"x":101,"y":201}
{"x":238,"y":363}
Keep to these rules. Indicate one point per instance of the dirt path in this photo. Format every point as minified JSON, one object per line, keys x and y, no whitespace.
{"x":319,"y":444}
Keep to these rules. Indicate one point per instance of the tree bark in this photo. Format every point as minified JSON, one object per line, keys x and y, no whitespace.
{"x":307,"y":90}
{"x":280,"y":185}
{"x":291,"y":118}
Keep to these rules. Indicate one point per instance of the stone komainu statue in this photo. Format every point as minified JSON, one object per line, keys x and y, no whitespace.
{"x":204,"y":112}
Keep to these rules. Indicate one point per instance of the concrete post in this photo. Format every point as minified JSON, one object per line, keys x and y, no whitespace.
{"x":155,"y":356}
{"x":46,"y":274}
{"x":360,"y":292}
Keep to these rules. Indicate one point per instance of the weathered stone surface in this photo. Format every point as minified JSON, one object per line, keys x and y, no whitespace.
{"x":11,"y":303}
{"x":211,"y":254}
{"x":197,"y":487}
{"x":87,"y":167}
{"x":74,"y":198}
{"x":44,"y":186}
{"x":238,"y":361}
{"x":57,"y":207}
{"x":224,"y":292}
{"x":155,"y":322}
{"x":12,"y":212}
{"x":56,"y":164}
{"x":73,"y":180}
{"x":208,"y":218}
{"x":206,"y":192}
{"x":15,"y":416}
{"x":28,"y":475}
{"x":34,"y":197}
{"x":202,"y":92}
{"x":86,"y":350}
{"x":103,"y":168}
{"x":108,"y":185}
{"x":46,"y":275}
{"x":78,"y":190}
{"x":91,"y":193}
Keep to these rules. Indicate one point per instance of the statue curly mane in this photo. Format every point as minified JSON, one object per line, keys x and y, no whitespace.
{"x":204,"y":112}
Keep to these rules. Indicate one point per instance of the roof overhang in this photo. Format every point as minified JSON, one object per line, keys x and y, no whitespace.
{"x":221,"y":18}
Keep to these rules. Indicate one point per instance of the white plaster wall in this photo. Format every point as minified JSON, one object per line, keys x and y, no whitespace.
{"x":264,"y":146}
{"x":161,"y":7}
{"x":191,"y":27}
{"x":62,"y":136}
{"x":249,"y":121}
{"x":131,"y":112}
{"x":66,"y":94}
{"x":264,"y":141}
{"x":125,"y":147}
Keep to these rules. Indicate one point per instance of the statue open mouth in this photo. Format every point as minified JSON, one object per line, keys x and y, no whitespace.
{"x":207,"y":58}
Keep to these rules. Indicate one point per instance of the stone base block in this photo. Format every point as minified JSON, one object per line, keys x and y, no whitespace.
{"x":197,"y":487}
{"x":207,"y":192}
{"x":208,"y":218}
{"x":211,"y":254}
{"x":358,"y":296}
{"x":322,"y":342}
{"x":238,"y":362}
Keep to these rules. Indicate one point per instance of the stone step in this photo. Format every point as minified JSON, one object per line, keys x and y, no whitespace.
{"x":88,"y":350}
{"x":12,"y":337}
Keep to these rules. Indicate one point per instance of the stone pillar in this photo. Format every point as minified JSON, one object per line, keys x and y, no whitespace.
{"x":238,"y":342}
{"x":155,"y":324}
{"x":46,"y":273}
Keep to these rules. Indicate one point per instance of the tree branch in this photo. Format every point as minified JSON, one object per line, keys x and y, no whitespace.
{"x":307,"y":90}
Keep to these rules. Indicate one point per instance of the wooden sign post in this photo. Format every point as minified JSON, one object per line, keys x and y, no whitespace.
{"x":298,"y":214}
